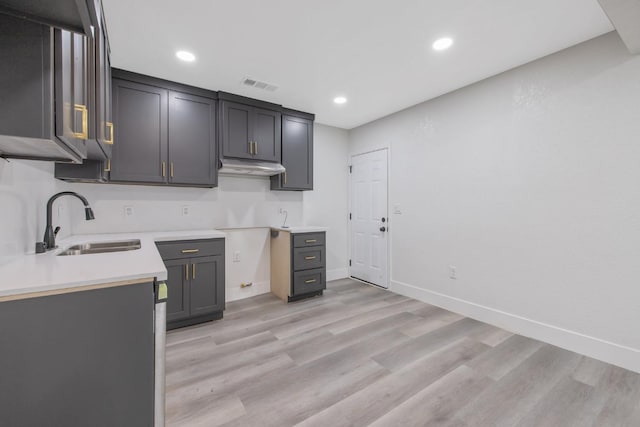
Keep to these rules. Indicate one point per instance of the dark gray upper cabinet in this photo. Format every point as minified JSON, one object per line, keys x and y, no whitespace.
{"x":100,"y":138}
{"x":72,"y":15}
{"x":297,"y":152}
{"x":140,"y":127}
{"x":164,"y":133}
{"x":251,"y":129}
{"x":44,"y":107}
{"x":192,"y":139}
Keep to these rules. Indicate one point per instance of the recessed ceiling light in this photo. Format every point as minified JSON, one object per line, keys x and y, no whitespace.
{"x":340,"y":100}
{"x":442,"y":44}
{"x":185,"y":56}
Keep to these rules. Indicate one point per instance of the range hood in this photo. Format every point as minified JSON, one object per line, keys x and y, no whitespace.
{"x":250,"y":167}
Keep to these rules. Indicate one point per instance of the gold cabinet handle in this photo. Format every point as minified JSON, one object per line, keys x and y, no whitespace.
{"x":171,"y":167}
{"x":309,"y":258}
{"x":85,"y":121}
{"x":108,"y":166}
{"x":285,"y":177}
{"x":193,"y":271}
{"x":164,"y":169}
{"x":310,"y":281}
{"x":255,"y":151}
{"x":251,"y":147}
{"x":310,"y":241}
{"x":190,"y":251}
{"x":186,"y":271}
{"x":110,"y":127}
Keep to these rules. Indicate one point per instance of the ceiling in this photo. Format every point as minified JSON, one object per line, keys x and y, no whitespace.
{"x":377,"y":53}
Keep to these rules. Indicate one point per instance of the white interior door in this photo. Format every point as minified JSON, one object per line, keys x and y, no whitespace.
{"x":369,"y":218}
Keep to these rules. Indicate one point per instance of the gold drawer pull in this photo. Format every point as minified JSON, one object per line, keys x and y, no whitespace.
{"x":310,"y":281}
{"x":193,"y":271}
{"x":309,"y":258}
{"x":310,"y":241}
{"x":190,"y":251}
{"x":110,"y":127}
{"x":186,"y":271}
{"x":85,"y":123}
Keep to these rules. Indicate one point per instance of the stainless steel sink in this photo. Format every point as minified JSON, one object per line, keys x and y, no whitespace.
{"x":102,"y":247}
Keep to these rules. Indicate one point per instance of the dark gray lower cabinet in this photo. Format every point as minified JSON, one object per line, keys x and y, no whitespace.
{"x":298,"y":265}
{"x":78,"y":359}
{"x":297,"y":152}
{"x":195,"y":282}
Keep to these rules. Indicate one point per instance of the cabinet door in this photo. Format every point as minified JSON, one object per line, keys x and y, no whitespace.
{"x":140,"y":127}
{"x":178,"y":289}
{"x":237,"y":130}
{"x":70,"y":88}
{"x":104,"y":125}
{"x":207,"y":284}
{"x":267,"y":134}
{"x":192,"y":139}
{"x":297,"y":155}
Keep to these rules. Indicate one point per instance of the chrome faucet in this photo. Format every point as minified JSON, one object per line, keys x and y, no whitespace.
{"x":49,"y":234}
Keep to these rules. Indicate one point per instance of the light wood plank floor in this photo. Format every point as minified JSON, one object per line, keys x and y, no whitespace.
{"x":363,"y":356}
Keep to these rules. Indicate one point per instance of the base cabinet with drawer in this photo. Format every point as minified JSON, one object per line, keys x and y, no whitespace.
{"x":298,"y":265}
{"x":195,"y":281}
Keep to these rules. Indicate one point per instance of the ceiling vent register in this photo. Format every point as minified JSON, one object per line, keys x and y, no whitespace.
{"x":259,"y":85}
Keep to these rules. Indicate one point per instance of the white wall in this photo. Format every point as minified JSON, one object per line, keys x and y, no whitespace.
{"x":528,"y":183}
{"x":327,"y":204}
{"x":242,"y":206}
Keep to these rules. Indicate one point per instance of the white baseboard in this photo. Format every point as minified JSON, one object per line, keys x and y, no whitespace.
{"x":616,"y":354}
{"x":337,"y":273}
{"x":258,"y":288}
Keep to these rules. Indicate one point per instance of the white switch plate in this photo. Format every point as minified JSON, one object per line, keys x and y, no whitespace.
{"x":397,"y":210}
{"x":453,"y":272}
{"x":128,"y":211}
{"x":236,"y":256}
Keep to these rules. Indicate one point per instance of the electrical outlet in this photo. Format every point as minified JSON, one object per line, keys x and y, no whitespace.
{"x":236,"y":256}
{"x":185,"y":210}
{"x":453,"y":272}
{"x":397,"y":210}
{"x":128,"y":211}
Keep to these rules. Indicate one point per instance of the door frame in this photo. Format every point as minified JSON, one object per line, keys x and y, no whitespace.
{"x":389,"y":229}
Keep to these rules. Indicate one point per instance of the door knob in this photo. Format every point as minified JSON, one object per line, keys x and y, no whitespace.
{"x":383,"y":229}
{"x":383,"y":219}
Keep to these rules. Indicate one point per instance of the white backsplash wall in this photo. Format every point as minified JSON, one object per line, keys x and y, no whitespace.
{"x":528,"y":183}
{"x":25,"y":187}
{"x":238,"y":202}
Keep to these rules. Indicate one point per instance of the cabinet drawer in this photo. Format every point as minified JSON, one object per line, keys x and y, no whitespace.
{"x":308,"y":281}
{"x":307,"y":258}
{"x":191,"y":248}
{"x":308,"y":239}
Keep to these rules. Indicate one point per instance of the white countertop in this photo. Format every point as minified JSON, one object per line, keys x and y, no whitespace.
{"x":45,"y":272}
{"x":301,"y":229}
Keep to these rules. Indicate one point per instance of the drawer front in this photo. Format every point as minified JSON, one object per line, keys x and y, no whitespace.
{"x":308,"y":239}
{"x":191,"y":248}
{"x":307,"y":258}
{"x":309,"y":281}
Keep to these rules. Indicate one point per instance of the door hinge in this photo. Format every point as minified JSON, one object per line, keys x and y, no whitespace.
{"x":350,"y":168}
{"x":349,"y":263}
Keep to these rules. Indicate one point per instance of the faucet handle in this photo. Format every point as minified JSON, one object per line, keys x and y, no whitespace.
{"x":55,"y":232}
